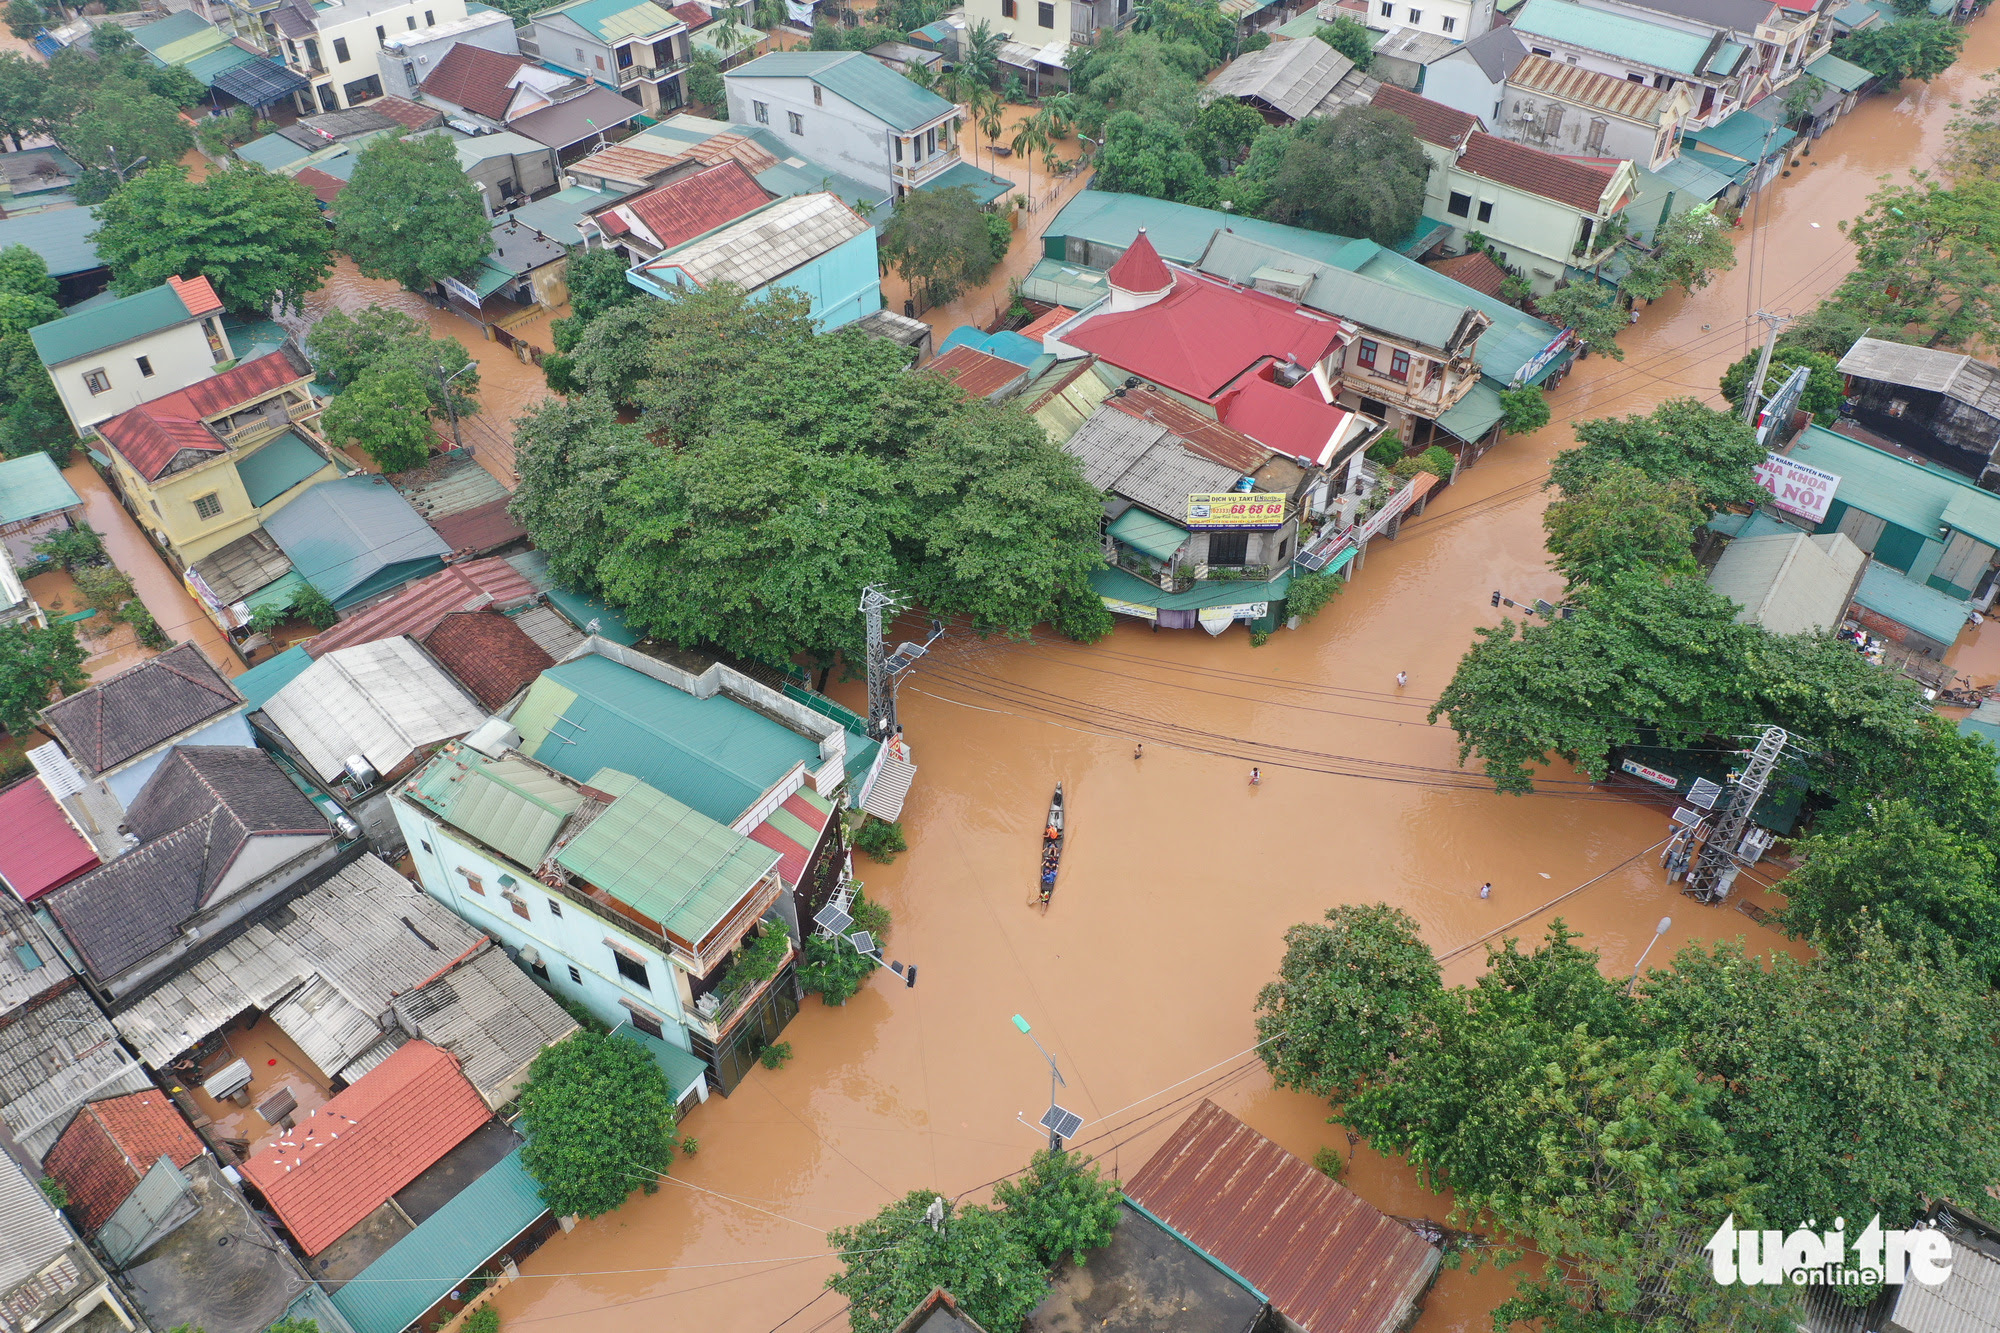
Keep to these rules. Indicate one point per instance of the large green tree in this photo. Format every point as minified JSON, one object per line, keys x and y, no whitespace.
{"x":119,"y":123}
{"x":1360,"y":173}
{"x":1824,"y":384}
{"x":1589,"y":310}
{"x":1689,"y":249}
{"x":387,"y":413}
{"x":410,"y":215}
{"x":1622,"y":522}
{"x":37,"y":666}
{"x":938,"y":241}
{"x":1927,"y":260}
{"x":1144,"y":73}
{"x":346,"y":347}
{"x":1681,"y":440}
{"x":572,"y":456}
{"x":600,"y":1122}
{"x":1351,"y":37}
{"x":258,"y":237}
{"x":1351,"y":995}
{"x":893,"y":1260}
{"x":1062,"y":1205}
{"x":1909,"y":48}
{"x":1151,"y":157}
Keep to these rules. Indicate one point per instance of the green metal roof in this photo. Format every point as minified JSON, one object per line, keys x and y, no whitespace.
{"x":746,"y":37}
{"x":1976,"y":513}
{"x":277,"y":467}
{"x":353,"y":537}
{"x":511,"y":806}
{"x":1513,"y":340}
{"x":1687,"y":175}
{"x":1987,"y":731}
{"x":1397,"y":311}
{"x":1614,"y":34}
{"x":684,"y":1071}
{"x":446,"y":1248}
{"x":211,"y":65}
{"x":1908,"y":494}
{"x":59,"y":236}
{"x":264,"y":680}
{"x":857,"y":77}
{"x":1475,"y":414}
{"x":713,"y":754}
{"x":1148,"y":532}
{"x":1841,"y":74}
{"x":1936,"y":615}
{"x":154,"y":38}
{"x":273,"y":152}
{"x":1744,"y":135}
{"x":665,"y":861}
{"x":129,"y":317}
{"x":1123,"y":587}
{"x":1305,"y":25}
{"x":613,"y":21}
{"x":1726,"y":58}
{"x":279,"y":592}
{"x":32,"y":485}
{"x":985,"y":186}
{"x":1735,"y":170}
{"x":1181,"y":232}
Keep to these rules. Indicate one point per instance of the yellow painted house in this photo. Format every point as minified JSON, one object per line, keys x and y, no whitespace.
{"x":205,"y":466}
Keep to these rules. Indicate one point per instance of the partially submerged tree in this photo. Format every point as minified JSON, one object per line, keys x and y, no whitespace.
{"x":1062,"y":1205}
{"x":1359,"y":173}
{"x":600,"y":1122}
{"x":258,"y":237}
{"x":938,"y":241}
{"x":37,"y":667}
{"x":1620,"y":522}
{"x":410,"y":215}
{"x":894,"y":1259}
{"x":386,"y":413}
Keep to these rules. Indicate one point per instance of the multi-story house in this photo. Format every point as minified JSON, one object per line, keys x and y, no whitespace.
{"x":1542,"y":212}
{"x":1782,"y":37}
{"x":1041,"y":23}
{"x":633,"y":47}
{"x":1454,"y":20}
{"x":1715,"y":68}
{"x":133,"y":350}
{"x":848,"y":112}
{"x":1570,"y":110}
{"x":341,"y":46}
{"x":114,"y":735}
{"x":205,"y":466}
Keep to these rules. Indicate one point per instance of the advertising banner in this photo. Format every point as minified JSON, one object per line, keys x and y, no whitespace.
{"x":1797,"y":488}
{"x":1235,"y":510}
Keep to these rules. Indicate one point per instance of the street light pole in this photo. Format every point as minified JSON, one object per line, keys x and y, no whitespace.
{"x":1055,"y":1076}
{"x":1666,"y":922}
{"x":450,"y":409}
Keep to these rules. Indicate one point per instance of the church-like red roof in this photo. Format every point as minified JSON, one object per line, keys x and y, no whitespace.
{"x":1140,"y":268}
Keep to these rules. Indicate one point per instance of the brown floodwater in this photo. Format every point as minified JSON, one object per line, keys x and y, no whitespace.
{"x":1180,"y":877}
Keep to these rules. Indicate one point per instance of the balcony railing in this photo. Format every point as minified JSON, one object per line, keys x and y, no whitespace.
{"x":634,"y":73}
{"x":714,"y":1022}
{"x":935,"y":165}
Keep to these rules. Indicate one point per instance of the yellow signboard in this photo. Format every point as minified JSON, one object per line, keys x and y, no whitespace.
{"x":1235,"y":509}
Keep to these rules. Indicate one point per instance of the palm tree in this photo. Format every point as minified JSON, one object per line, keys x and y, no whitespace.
{"x":986,"y":106}
{"x":982,"y":54}
{"x":1032,"y":136}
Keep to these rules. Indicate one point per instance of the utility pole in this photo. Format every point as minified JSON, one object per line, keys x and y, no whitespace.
{"x":1753,"y":401}
{"x":451,"y":408}
{"x":1056,"y":1080}
{"x":875,"y":599}
{"x":1715,"y":870}
{"x":119,"y":171}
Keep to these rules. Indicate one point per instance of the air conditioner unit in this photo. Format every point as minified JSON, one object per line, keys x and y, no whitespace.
{"x":569,"y":182}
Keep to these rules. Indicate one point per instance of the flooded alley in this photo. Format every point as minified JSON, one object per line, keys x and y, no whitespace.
{"x":1180,"y":877}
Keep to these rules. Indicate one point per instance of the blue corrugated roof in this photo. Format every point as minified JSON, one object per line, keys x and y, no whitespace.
{"x":1006,"y":345}
{"x":277,"y":467}
{"x":1614,"y":34}
{"x":713,"y":755}
{"x":985,"y":186}
{"x":1744,"y":135}
{"x":273,"y":152}
{"x":260,"y":682}
{"x":857,"y":77}
{"x":1909,"y":494}
{"x":32,"y":485}
{"x":60,"y":236}
{"x":684,"y":1070}
{"x":158,"y":36}
{"x":354,"y":537}
{"x":445,"y":1249}
{"x":1934,"y":614}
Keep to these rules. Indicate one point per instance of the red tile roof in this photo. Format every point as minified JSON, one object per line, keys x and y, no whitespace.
{"x":684,"y":209}
{"x":1295,"y":422}
{"x":980,"y":374}
{"x":1563,"y":179}
{"x":349,"y":1157}
{"x":1140,"y":268}
{"x":488,"y":654}
{"x":1204,"y":334}
{"x":410,"y":115}
{"x":1201,"y":434}
{"x":1035,"y":331}
{"x":1327,"y":1261}
{"x":41,"y":850}
{"x":111,"y":1145}
{"x":325,"y":188}
{"x":475,"y":79}
{"x":1476,"y":270}
{"x":691,"y":14}
{"x":196,"y":295}
{"x":152,"y":435}
{"x":482,"y":528}
{"x":792,"y":857}
{"x":417,"y":609}
{"x":1432,"y":121}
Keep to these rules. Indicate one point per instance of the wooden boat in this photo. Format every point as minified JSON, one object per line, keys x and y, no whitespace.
{"x":1052,"y":846}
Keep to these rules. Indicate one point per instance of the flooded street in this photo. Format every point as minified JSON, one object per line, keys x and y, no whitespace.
{"x":1180,"y":878}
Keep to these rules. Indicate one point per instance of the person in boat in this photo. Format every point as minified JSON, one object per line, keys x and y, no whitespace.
{"x":1052,"y":833}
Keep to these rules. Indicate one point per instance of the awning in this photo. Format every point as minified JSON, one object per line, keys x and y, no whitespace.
{"x":1745,"y":136}
{"x":985,"y":186}
{"x":280,"y":592}
{"x":1148,"y":532}
{"x":1684,"y":173}
{"x":1427,"y":232}
{"x":1935,"y":615}
{"x":260,"y":81}
{"x":792,"y":831}
{"x":1472,"y":416}
{"x":684,"y":1071}
{"x":1842,"y":74}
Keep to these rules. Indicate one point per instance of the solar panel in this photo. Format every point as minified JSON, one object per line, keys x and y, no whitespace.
{"x":832,"y":919}
{"x":1703,"y":793}
{"x":862,"y":941}
{"x":1063,"y":1124}
{"x":1686,"y":817}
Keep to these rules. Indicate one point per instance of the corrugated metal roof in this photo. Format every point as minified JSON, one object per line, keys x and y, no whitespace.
{"x":1966,"y":1302}
{"x":1790,"y":583}
{"x":513,"y":807}
{"x":277,"y":467}
{"x":1472,"y":416}
{"x":417,"y":609}
{"x":713,"y":754}
{"x":979,"y":374}
{"x":1148,"y":532}
{"x":367,"y":932}
{"x":1293,"y":77}
{"x":260,"y":682}
{"x":32,"y":1233}
{"x":1842,"y":74}
{"x":1953,"y":374}
{"x":25,"y":974}
{"x":42,"y":848}
{"x":1141,"y":461}
{"x":250,"y":562}
{"x":488,"y":1013}
{"x":763,"y":246}
{"x":348,"y":536}
{"x":383,"y":700}
{"x":1906,"y":493}
{"x":53,"y":1059}
{"x":1111,"y":582}
{"x":857,"y":77}
{"x":1181,"y":232}
{"x":411,"y":1277}
{"x":1326,"y":1260}
{"x":1974,"y":512}
{"x":1890,"y":593}
{"x":1369,"y":301}
{"x":684,"y":1071}
{"x":614,"y":21}
{"x":667,"y":862}
{"x":32,"y":485}
{"x":109,"y":325}
{"x":60,"y":236}
{"x":1193,"y":431}
{"x":110,"y":1146}
{"x":1651,"y":44}
{"x":1744,"y":135}
{"x":1587,"y":88}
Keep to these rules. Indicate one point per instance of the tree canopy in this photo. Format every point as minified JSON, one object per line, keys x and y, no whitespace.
{"x":258,"y":237}
{"x":410,"y":215}
{"x":1358,"y":173}
{"x":1908,"y":48}
{"x":1689,"y":249}
{"x":1622,"y":522}
{"x":122,"y":124}
{"x":1824,"y":383}
{"x":1351,"y":37}
{"x":1061,"y":1205}
{"x":939,"y":242}
{"x":600,"y":1122}
{"x":31,"y":415}
{"x":1590,"y":311}
{"x":1680,"y":440}
{"x":37,"y":667}
{"x":347,"y":348}
{"x":386,"y":413}
{"x":893,"y":1260}
{"x":757,"y":529}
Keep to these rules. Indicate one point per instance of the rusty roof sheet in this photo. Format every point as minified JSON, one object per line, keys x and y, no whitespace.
{"x":417,"y":609}
{"x":980,"y":374}
{"x":1586,"y":88}
{"x":1195,"y":432}
{"x":1327,"y":1260}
